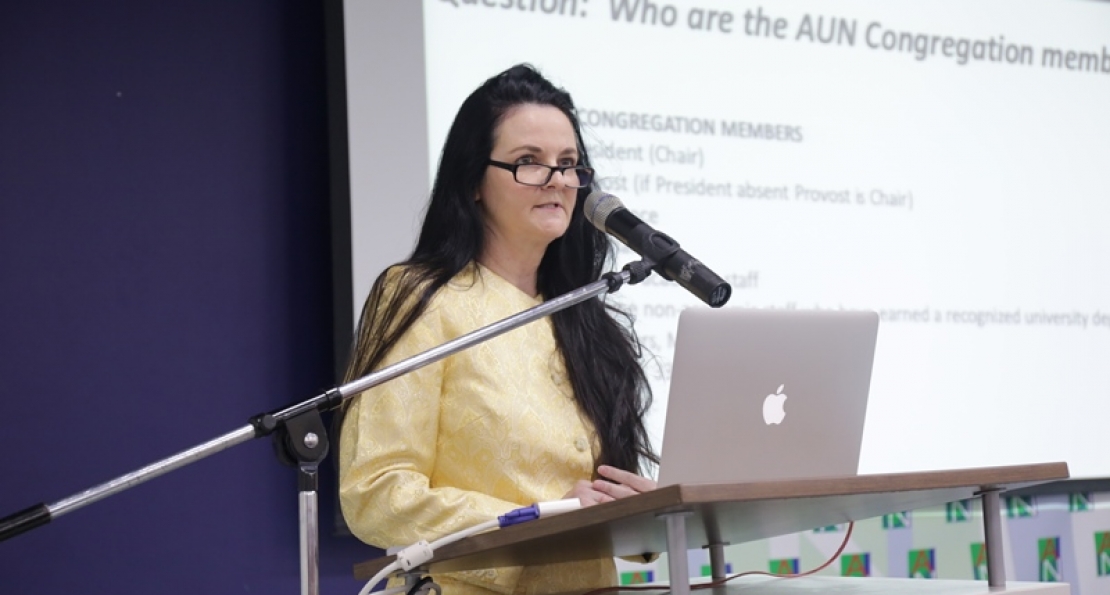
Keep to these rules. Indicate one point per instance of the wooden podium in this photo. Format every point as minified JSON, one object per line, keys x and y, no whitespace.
{"x":676,"y":518}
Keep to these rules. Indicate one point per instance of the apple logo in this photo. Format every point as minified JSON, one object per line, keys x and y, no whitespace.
{"x":773,"y":412}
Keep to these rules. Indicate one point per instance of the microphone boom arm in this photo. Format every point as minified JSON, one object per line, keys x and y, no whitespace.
{"x":311,"y":445}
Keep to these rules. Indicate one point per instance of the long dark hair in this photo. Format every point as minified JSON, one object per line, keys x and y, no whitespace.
{"x":601,"y":355}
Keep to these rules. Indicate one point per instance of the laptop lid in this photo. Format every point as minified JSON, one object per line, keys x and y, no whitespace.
{"x":767,"y":394}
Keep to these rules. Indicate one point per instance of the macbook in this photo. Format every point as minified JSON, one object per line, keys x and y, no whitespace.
{"x":767,"y":394}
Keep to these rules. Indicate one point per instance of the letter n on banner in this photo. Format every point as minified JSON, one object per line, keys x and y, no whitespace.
{"x":1019,"y":507}
{"x":957,"y":512}
{"x":1079,"y":501}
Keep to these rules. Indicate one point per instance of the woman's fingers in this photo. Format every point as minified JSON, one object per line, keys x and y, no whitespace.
{"x":587,"y":495}
{"x":638,"y":483}
{"x":617,"y":483}
{"x":615,"y":490}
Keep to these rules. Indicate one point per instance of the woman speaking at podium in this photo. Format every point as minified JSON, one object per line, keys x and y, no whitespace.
{"x":550,"y":410}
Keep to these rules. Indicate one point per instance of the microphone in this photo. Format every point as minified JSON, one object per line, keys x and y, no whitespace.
{"x":607,"y":213}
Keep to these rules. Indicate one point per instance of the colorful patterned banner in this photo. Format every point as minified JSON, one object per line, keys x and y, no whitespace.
{"x":897,"y":520}
{"x":923,"y":563}
{"x":785,"y":566}
{"x":855,"y":564}
{"x":1102,"y":553}
{"x":979,"y":561}
{"x":1020,"y":507}
{"x":1048,"y":560}
{"x":958,"y":512}
{"x":1061,"y":537}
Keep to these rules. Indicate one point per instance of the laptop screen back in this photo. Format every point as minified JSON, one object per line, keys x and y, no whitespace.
{"x":767,"y":394}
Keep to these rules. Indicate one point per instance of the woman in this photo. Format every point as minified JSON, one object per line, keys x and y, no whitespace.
{"x":551,"y":410}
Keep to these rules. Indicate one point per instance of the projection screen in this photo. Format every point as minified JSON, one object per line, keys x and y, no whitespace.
{"x":943,"y":163}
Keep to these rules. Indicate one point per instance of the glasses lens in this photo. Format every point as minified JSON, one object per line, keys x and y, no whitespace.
{"x":532,"y":174}
{"x":578,"y":177}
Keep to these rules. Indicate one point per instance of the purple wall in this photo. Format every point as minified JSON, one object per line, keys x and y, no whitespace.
{"x":164,"y":274}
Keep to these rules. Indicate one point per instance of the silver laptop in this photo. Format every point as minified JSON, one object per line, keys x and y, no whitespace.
{"x":767,"y":394}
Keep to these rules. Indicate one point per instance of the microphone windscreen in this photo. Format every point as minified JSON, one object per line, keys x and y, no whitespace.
{"x":599,"y":205}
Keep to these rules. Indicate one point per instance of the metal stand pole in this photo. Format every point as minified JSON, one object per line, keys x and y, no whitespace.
{"x":303,"y":441}
{"x":677,"y":562}
{"x":310,"y":531}
{"x":717,"y":565}
{"x":992,"y":533}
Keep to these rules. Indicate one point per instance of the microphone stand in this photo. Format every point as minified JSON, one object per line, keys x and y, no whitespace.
{"x":299,"y":431}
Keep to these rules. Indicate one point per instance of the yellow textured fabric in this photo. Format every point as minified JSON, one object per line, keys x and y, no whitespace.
{"x":466,"y":439}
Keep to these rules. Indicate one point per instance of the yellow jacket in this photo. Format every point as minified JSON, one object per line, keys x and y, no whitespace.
{"x":466,"y":439}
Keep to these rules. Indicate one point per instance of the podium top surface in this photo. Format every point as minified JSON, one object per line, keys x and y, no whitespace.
{"x":721,"y":513}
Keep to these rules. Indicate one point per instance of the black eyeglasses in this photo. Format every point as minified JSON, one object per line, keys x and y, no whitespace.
{"x":538,"y":174}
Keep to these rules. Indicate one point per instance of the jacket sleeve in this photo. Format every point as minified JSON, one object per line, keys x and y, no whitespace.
{"x":387,"y":454}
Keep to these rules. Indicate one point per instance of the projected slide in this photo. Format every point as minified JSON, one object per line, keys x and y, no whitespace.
{"x":942,"y":163}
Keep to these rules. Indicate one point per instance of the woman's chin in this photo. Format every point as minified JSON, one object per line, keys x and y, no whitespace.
{"x":552,"y":225}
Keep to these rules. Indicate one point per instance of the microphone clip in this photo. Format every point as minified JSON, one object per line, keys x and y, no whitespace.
{"x":639,"y":270}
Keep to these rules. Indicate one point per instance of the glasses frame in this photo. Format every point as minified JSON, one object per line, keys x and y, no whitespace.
{"x":551,"y":169}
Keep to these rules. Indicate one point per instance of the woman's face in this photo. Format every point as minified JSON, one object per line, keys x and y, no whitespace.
{"x":520,"y":217}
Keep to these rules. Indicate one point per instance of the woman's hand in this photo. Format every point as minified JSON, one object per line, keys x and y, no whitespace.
{"x":617,"y":483}
{"x":586,"y":494}
{"x":621,"y":483}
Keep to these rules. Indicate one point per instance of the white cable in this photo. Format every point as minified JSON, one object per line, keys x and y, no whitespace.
{"x":554,"y":507}
{"x":421,"y":551}
{"x":384,"y":572}
{"x":442,"y":541}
